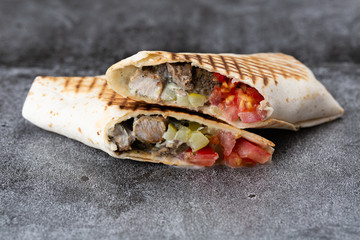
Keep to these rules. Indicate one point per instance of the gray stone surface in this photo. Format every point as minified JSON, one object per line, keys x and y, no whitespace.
{"x":52,"y":187}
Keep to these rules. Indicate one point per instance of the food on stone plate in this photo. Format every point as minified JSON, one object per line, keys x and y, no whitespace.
{"x":265,"y":90}
{"x":87,"y":110}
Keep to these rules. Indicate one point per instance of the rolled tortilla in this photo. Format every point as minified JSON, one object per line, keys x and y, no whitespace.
{"x":293,"y":98}
{"x":86,"y":109}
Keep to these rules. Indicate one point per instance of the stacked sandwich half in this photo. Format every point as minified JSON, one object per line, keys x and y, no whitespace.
{"x":183,"y":109}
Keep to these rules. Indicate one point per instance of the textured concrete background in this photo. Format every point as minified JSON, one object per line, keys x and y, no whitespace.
{"x":52,"y":187}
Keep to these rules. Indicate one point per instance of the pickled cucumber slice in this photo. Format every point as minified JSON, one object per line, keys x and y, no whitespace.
{"x":197,"y":100}
{"x":170,"y":133}
{"x":197,"y":141}
{"x":183,"y":100}
{"x":168,"y":93}
{"x":183,"y":134}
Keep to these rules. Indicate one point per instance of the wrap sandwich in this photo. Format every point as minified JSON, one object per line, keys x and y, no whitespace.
{"x":87,"y":110}
{"x":265,"y":90}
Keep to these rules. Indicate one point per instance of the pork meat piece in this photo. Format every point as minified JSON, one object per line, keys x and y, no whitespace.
{"x":146,"y":83}
{"x":204,"y":81}
{"x":122,"y":137}
{"x":181,"y":74}
{"x":149,"y":129}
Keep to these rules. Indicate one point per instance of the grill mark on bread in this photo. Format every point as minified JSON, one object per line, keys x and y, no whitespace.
{"x":78,"y":85}
{"x":112,"y":98}
{"x":264,"y":77}
{"x":277,"y":68}
{"x":186,"y":57}
{"x":268,"y":69}
{"x":255,"y":71}
{"x":269,"y":66}
{"x":136,"y":105}
{"x":287,"y":72}
{"x":66,"y":82}
{"x":251,"y":74}
{"x":148,"y":107}
{"x":250,"y":69}
{"x":287,"y":61}
{"x":199,"y":58}
{"x":284,"y":73}
{"x":92,"y":84}
{"x":225,"y":65}
{"x":212,"y":62}
{"x":123,"y":104}
{"x":173,"y":56}
{"x":266,"y":81}
{"x":102,"y":89}
{"x":237,"y":67}
{"x":273,"y":76}
{"x":248,"y":72}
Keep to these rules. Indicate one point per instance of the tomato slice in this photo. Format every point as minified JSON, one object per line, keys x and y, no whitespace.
{"x":248,"y":162}
{"x":245,"y":149}
{"x":215,"y":97}
{"x":250,"y":117}
{"x":227,"y":141}
{"x":252,"y":92}
{"x":237,"y":100}
{"x":220,"y":77}
{"x":231,"y":112}
{"x":203,"y":157}
{"x":233,"y":160}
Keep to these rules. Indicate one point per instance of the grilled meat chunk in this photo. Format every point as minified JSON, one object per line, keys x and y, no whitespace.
{"x":122,"y":137}
{"x":146,"y":83}
{"x":204,"y":81}
{"x":150,"y":80}
{"x":173,"y":148}
{"x":160,"y":70}
{"x":149,"y":129}
{"x":181,"y":75}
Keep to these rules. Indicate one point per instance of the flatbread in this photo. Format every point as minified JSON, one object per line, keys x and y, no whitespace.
{"x":296,"y":99}
{"x":85,"y":108}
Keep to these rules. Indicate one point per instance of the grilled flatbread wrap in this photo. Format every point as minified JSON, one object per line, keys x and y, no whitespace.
{"x":265,"y":90}
{"x":87,"y":110}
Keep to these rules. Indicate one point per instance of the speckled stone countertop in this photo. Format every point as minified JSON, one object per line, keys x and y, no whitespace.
{"x":52,"y":187}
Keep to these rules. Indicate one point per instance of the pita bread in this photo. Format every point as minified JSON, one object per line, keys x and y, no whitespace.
{"x":85,"y":108}
{"x":293,"y":97}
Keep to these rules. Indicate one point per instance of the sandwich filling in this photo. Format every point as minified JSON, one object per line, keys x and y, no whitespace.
{"x":188,"y":141}
{"x":194,"y":87}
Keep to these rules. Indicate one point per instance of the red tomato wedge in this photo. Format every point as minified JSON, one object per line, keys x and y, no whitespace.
{"x":252,"y":92}
{"x":220,"y":77}
{"x":231,"y":112}
{"x":237,"y":100}
{"x":250,"y":117}
{"x":248,"y":150}
{"x":233,"y":160}
{"x":215,"y":97}
{"x":203,"y":157}
{"x":227,"y":141}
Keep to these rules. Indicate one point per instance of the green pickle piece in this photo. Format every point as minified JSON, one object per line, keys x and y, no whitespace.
{"x":197,"y":100}
{"x":183,"y":134}
{"x":198,"y":141}
{"x":170,"y":133}
{"x":168,"y":93}
{"x":183,"y":100}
